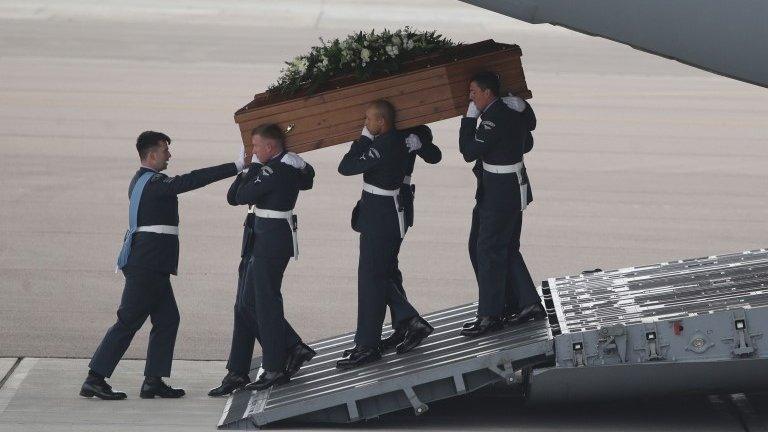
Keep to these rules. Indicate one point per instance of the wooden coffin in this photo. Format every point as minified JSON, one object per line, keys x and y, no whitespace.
{"x":426,"y":90}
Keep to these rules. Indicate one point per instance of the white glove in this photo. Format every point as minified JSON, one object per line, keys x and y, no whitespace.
{"x":514,"y":102}
{"x":472,"y":111}
{"x":240,"y":161}
{"x":413,"y":142}
{"x":367,"y":133}
{"x":293,"y":160}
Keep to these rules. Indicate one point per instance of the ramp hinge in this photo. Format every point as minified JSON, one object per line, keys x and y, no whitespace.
{"x":507,"y":373}
{"x":578,"y":354}
{"x":419,"y":407}
{"x":653,"y":346}
{"x":574,"y":345}
{"x":742,"y":340}
{"x":614,"y":339}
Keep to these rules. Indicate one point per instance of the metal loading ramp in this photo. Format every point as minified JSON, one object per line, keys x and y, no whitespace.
{"x":445,"y":365}
{"x":657,"y":292}
{"x":695,"y":325}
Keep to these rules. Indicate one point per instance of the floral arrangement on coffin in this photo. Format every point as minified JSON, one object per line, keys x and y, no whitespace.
{"x":361,"y":54}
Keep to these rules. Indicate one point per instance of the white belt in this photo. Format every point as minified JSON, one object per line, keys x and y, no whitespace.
{"x":159,"y":229}
{"x":379,"y":191}
{"x":407,"y":180}
{"x":516,"y":169}
{"x":275,"y":214}
{"x":391,"y":193}
{"x":504,"y":169}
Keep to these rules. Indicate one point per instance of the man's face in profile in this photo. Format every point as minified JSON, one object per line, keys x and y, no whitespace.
{"x":374,"y":121}
{"x":159,"y":156}
{"x":480,"y":97}
{"x":263,"y":148}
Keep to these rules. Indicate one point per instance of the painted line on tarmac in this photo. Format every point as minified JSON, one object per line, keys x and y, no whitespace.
{"x":9,"y":371}
{"x":13,"y":381}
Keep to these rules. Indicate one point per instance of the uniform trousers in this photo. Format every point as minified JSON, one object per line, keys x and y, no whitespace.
{"x":400,"y":309}
{"x":259,"y":315}
{"x":147,"y":293}
{"x":377,"y":286}
{"x":494,"y":250}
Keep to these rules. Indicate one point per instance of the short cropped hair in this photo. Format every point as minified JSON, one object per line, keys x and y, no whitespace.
{"x":148,"y":140}
{"x":487,"y":80}
{"x":270,"y":131}
{"x":386,"y":109}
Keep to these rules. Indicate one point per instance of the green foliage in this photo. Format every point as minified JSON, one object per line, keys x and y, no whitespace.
{"x":360,"y":54}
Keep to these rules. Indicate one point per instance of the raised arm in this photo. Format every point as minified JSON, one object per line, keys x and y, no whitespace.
{"x":428,"y":151}
{"x":474,"y":142}
{"x":363,"y":155}
{"x":305,"y":173}
{"x":164,"y":185}
{"x":529,"y":116}
{"x":232,"y":192}
{"x":259,"y":181}
{"x":306,"y":177}
{"x":530,"y":120}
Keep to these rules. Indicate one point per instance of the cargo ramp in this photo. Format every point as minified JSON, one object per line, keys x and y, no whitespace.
{"x":692,"y":325}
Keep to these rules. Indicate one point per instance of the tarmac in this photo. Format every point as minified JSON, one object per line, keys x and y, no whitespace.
{"x":638,"y":160}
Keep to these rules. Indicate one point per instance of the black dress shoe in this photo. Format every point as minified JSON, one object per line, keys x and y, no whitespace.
{"x":418,"y":329}
{"x":484,"y":325}
{"x":230,"y":383}
{"x":266,"y":380}
{"x":94,"y":386}
{"x":509,"y":314}
{"x":359,"y":357}
{"x":154,"y":386}
{"x":531,"y":312}
{"x":472,"y":323}
{"x":393,"y":340}
{"x":298,"y":355}
{"x":348,"y":352}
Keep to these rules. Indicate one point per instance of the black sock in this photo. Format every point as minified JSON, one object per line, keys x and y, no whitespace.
{"x":93,"y":374}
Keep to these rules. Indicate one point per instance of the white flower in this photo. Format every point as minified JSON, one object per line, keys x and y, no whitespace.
{"x":392,"y":50}
{"x":408,"y":44}
{"x":300,"y":65}
{"x":396,"y":41}
{"x":365,"y":54}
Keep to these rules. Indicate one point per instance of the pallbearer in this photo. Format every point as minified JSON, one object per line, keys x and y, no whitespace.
{"x":245,"y":331}
{"x":270,"y":189}
{"x":380,"y":155}
{"x":497,"y":146}
{"x":150,"y":255}
{"x":419,"y":142}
